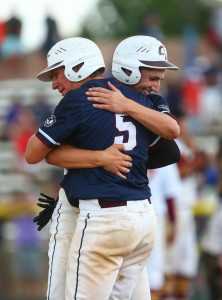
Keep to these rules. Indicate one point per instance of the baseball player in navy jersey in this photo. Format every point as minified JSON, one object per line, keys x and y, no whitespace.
{"x":92,"y":190}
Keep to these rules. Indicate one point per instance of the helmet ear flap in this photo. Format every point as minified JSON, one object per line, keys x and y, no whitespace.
{"x":133,"y":75}
{"x":126,"y":74}
{"x":71,"y":72}
{"x":78,"y":67}
{"x":127,"y":71}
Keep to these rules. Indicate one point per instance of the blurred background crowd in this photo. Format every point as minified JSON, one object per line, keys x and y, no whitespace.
{"x":192,"y":34}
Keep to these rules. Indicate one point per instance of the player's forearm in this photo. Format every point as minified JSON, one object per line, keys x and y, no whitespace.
{"x":36,"y":151}
{"x":70,"y":157}
{"x":159,"y":123}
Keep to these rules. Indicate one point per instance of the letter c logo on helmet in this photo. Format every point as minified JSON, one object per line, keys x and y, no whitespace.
{"x":139,"y":51}
{"x":162,"y":51}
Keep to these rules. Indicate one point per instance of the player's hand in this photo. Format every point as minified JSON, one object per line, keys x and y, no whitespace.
{"x":111,"y":100}
{"x":49,"y":204}
{"x":114,"y":161}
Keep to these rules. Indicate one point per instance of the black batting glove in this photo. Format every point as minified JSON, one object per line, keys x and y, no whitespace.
{"x":49,"y":204}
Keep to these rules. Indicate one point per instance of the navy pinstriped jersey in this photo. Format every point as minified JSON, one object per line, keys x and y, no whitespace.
{"x":76,"y":122}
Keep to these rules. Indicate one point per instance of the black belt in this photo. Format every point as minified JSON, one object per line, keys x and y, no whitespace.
{"x":107,"y":204}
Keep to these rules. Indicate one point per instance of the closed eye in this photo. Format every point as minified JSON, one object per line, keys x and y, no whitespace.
{"x":155,"y":79}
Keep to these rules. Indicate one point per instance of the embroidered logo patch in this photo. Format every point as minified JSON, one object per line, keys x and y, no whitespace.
{"x":165,"y":107}
{"x":50,"y":121}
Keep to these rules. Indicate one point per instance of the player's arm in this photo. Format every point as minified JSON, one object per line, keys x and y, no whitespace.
{"x":49,"y":137}
{"x":36,"y":150}
{"x":166,"y":153}
{"x":111,"y":159}
{"x":70,"y":157}
{"x":114,"y":101}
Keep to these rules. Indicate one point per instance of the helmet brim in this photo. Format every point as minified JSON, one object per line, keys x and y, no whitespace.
{"x":46,"y":74}
{"x":159,"y":65}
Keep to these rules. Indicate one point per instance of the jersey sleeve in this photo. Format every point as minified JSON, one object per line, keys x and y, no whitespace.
{"x":161,"y":105}
{"x":163,"y":154}
{"x":66,"y":118}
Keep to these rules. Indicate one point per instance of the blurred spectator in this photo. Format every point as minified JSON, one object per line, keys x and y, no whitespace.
{"x":11,"y":45}
{"x":219,"y":162}
{"x":163,"y":200}
{"x":41,"y":110}
{"x":182,"y":255}
{"x":20,"y":132}
{"x":191,"y":86}
{"x":23,"y":129}
{"x":208,"y":195}
{"x":13,"y":111}
{"x":190,"y":43}
{"x":12,"y":206}
{"x":214,"y":28}
{"x":1,"y":260}
{"x":211,"y":173}
{"x":152,"y":26}
{"x":212,"y":254}
{"x":2,"y":32}
{"x":28,"y":263}
{"x":52,"y":36}
{"x":173,"y":95}
{"x":201,"y":91}
{"x":11,"y":50}
{"x":210,"y":107}
{"x":10,"y":118}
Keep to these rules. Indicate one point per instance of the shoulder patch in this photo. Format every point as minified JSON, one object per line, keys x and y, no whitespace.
{"x":165,"y":107}
{"x":50,"y":121}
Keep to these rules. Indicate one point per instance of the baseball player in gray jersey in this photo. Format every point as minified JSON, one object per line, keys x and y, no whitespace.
{"x":152,"y":84}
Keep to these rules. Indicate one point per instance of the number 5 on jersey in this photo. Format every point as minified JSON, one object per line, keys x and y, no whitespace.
{"x":125,"y":126}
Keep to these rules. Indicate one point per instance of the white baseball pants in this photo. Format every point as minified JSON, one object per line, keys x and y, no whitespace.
{"x":109,"y":250}
{"x":61,"y":230}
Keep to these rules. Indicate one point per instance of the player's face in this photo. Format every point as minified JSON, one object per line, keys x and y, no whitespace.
{"x":150,"y":81}
{"x":61,"y":83}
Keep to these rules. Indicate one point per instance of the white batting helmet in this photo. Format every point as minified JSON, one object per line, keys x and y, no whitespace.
{"x":70,"y":53}
{"x":139,"y":51}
